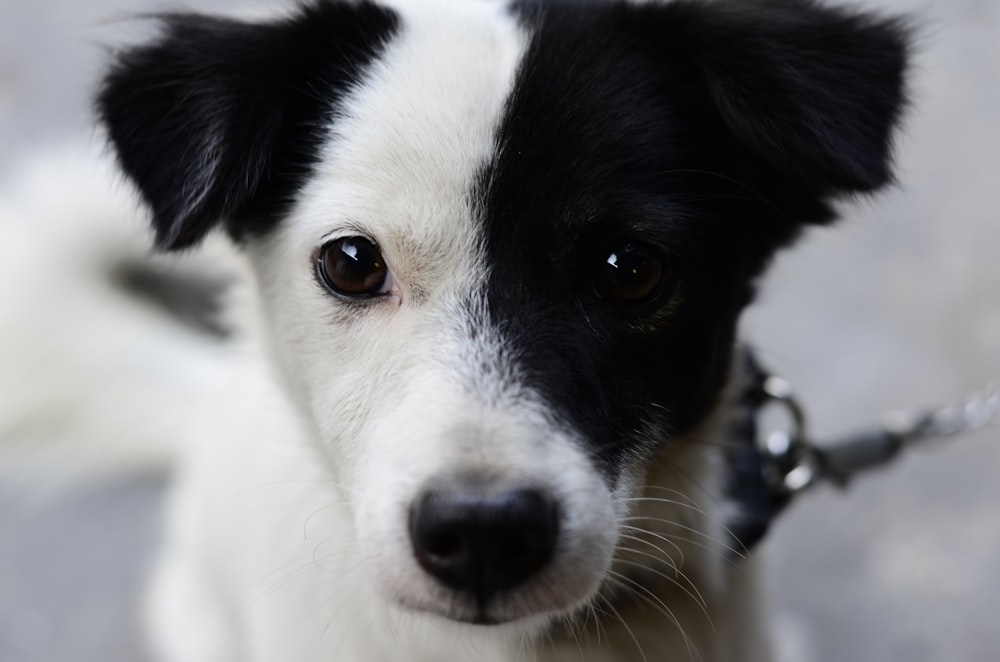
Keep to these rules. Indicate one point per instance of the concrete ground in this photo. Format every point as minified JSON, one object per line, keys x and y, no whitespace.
{"x":898,"y":306}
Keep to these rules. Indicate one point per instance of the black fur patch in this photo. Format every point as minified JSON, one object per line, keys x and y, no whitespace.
{"x":709,"y":132}
{"x":223,"y":120}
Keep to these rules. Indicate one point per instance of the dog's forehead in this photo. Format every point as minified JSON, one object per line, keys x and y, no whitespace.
{"x":409,"y":142}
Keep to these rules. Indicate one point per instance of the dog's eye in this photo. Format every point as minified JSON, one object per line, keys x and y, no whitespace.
{"x":629,"y":274}
{"x":352,"y":267}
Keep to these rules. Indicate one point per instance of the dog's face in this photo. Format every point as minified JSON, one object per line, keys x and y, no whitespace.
{"x":503,"y":247}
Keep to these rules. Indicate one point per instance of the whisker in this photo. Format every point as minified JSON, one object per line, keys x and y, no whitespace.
{"x":726,"y":546}
{"x":591,"y":610}
{"x":693,"y":506}
{"x":665,"y":557}
{"x":742,"y":552}
{"x":659,"y":536}
{"x":290,"y":566}
{"x":597,"y":622}
{"x":302,"y":567}
{"x":656,"y":603}
{"x":335,"y":616}
{"x":576,"y":638}
{"x":712,"y":549}
{"x":696,"y":595}
{"x":628,"y":629}
{"x":601,"y":614}
{"x":672,"y":490}
{"x":295,"y":569}
{"x":305,"y":524}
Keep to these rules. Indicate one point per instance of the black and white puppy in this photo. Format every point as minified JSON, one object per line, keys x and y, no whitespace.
{"x":501,"y":249}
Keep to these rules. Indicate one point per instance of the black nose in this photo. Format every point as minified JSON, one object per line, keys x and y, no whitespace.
{"x":483,"y":544}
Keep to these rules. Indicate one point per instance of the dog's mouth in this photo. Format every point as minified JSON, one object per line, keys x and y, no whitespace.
{"x":484,"y":616}
{"x":512,"y":609}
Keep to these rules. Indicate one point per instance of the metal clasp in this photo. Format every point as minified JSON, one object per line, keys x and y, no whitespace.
{"x":793,"y":462}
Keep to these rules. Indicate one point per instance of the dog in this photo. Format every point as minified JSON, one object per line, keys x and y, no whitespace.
{"x":500,"y":250}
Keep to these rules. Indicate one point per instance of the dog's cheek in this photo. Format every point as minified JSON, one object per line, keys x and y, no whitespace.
{"x":336,"y":362}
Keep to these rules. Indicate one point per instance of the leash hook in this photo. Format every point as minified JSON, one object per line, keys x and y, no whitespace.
{"x":792,"y":459}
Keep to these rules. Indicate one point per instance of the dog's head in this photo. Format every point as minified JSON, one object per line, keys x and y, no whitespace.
{"x":503,"y":247}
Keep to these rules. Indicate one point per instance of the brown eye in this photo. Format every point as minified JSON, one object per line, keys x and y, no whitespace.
{"x":352,"y":267}
{"x":629,"y":274}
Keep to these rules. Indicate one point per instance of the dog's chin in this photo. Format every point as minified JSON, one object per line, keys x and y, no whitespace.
{"x":500,"y":619}
{"x":487,"y":618}
{"x":518,"y":612}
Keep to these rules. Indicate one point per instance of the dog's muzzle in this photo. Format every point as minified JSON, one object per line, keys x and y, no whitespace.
{"x":483,"y":544}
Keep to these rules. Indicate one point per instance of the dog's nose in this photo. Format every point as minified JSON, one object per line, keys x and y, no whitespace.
{"x":483,"y":544}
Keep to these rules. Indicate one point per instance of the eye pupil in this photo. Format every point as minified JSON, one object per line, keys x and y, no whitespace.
{"x":629,"y":274}
{"x":353,"y":267}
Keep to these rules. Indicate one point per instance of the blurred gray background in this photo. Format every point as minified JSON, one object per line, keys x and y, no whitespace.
{"x":898,"y":306}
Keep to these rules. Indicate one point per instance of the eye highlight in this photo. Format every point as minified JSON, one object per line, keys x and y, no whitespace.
{"x":630,"y":273}
{"x":352,"y":267}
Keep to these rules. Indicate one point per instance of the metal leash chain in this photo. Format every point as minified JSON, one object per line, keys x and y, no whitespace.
{"x":793,"y":464}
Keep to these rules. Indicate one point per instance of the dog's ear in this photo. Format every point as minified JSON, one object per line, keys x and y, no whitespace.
{"x":219,"y":119}
{"x":814,"y":92}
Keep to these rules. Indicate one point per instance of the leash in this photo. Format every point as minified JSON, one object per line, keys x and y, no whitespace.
{"x":768,"y":471}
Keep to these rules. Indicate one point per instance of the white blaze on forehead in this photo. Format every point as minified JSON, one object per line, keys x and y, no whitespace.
{"x":410,"y":141}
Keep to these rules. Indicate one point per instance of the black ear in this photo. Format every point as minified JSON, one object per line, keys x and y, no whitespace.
{"x":815,"y":92}
{"x":221,"y":119}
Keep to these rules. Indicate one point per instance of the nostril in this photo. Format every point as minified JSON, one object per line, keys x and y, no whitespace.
{"x":444,"y":544}
{"x":483,"y":544}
